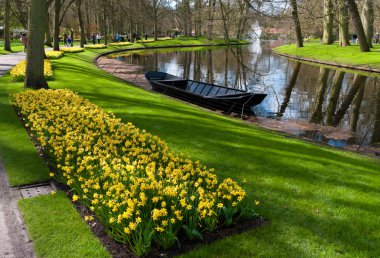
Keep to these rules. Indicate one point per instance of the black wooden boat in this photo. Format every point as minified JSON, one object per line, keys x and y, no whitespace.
{"x":205,"y":94}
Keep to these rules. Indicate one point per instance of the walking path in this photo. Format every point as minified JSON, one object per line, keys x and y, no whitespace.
{"x":14,"y":242}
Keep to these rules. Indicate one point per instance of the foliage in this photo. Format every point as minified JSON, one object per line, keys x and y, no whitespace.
{"x":18,"y":71}
{"x":54,"y":54}
{"x":96,"y":46}
{"x":140,"y":190}
{"x":72,"y":49}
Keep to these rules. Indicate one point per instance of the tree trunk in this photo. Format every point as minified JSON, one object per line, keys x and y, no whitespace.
{"x":187,"y":19}
{"x":376,"y":133}
{"x":359,"y":82}
{"x":57,"y":10}
{"x":7,"y":15}
{"x":352,"y":7}
{"x":81,"y":23}
{"x":289,"y":89}
{"x":368,"y":19}
{"x":210,"y":17}
{"x":328,"y":22}
{"x":198,"y":18}
{"x":34,"y":75}
{"x":356,"y":109}
{"x":317,"y":114}
{"x":297,"y":23}
{"x":48,"y":41}
{"x":334,"y":97}
{"x":344,"y":36}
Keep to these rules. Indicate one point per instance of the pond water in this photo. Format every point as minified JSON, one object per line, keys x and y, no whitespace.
{"x":312,"y":99}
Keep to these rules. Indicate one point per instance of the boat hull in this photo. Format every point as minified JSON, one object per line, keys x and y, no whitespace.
{"x":231,"y":101}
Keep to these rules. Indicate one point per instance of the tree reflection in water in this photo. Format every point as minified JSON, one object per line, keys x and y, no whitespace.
{"x":296,"y":92}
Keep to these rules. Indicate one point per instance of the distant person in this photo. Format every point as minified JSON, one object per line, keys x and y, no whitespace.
{"x":65,"y":39}
{"x":354,"y":38}
{"x":377,"y":38}
{"x":98,"y":37}
{"x":69,"y":42}
{"x":93,"y":38}
{"x":24,"y":41}
{"x":146,"y":36}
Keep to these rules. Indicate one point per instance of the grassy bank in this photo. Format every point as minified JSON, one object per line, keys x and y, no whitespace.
{"x":57,"y":230}
{"x":335,"y":54}
{"x":320,"y":202}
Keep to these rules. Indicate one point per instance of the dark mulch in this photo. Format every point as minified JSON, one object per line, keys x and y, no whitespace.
{"x":119,"y":250}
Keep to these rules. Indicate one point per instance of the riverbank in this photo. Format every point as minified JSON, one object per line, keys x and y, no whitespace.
{"x":305,"y":190}
{"x":333,"y":55}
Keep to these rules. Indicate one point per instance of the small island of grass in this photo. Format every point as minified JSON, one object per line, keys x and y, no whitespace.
{"x":348,"y":57}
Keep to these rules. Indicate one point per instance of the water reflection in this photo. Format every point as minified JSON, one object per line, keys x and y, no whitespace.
{"x":296,"y":92}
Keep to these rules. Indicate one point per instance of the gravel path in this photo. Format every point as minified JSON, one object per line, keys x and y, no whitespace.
{"x":14,"y":241}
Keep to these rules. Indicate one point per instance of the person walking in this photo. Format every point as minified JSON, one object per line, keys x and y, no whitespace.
{"x":98,"y":37}
{"x":69,"y":42}
{"x":377,"y":38}
{"x":24,"y":41}
{"x":146,"y":36}
{"x":65,"y":40}
{"x":93,"y":37}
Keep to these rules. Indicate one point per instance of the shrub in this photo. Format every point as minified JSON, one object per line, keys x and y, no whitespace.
{"x":72,"y":49}
{"x":54,"y":54}
{"x":18,"y":71}
{"x":140,"y":190}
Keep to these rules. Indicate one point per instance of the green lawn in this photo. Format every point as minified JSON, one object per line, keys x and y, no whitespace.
{"x":16,"y":47}
{"x":57,"y":230}
{"x":350,"y":55}
{"x":319,"y":201}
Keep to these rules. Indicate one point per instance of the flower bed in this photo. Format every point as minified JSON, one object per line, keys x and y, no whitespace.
{"x":120,"y":44}
{"x":18,"y":71}
{"x":72,"y":49}
{"x":96,"y":46}
{"x":140,"y":190}
{"x":54,"y":54}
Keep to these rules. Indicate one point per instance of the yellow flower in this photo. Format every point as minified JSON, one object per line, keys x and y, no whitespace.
{"x":159,"y":229}
{"x":75,"y":198}
{"x":88,"y":218}
{"x":257,"y":202}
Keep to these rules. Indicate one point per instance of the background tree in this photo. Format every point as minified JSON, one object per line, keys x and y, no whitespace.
{"x":368,"y":19}
{"x":328,"y":23}
{"x":34,"y":73}
{"x":344,"y":36}
{"x":7,"y":14}
{"x":356,"y":20}
{"x":297,"y":23}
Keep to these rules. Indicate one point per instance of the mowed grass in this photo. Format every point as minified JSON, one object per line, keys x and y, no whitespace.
{"x":16,"y":48}
{"x":57,"y":230}
{"x":319,"y":201}
{"x":20,"y":158}
{"x":350,"y":55}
